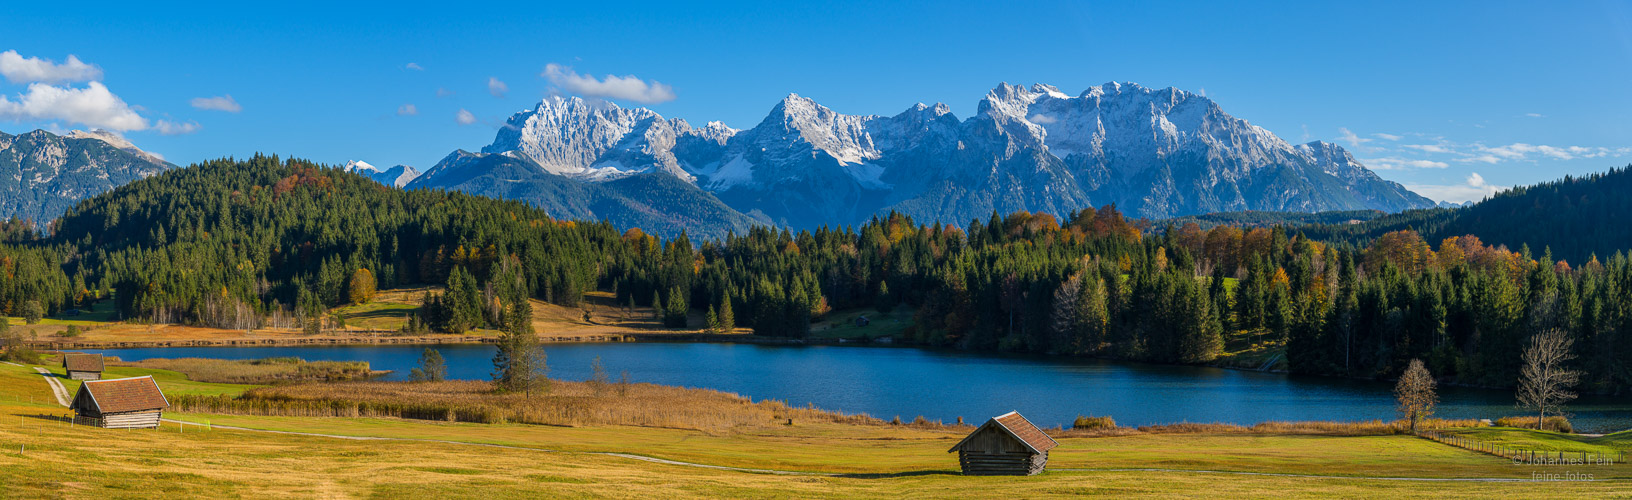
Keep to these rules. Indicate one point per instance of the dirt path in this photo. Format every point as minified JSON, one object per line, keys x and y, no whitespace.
{"x":56,"y":386}
{"x":834,"y":474}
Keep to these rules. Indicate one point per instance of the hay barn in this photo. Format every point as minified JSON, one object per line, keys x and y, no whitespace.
{"x":83,"y":366}
{"x":125,"y":403}
{"x":1006,"y":445}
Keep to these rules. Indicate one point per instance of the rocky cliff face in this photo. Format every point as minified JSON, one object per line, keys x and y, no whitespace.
{"x":42,"y":174}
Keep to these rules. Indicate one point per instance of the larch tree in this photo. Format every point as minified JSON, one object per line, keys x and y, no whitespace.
{"x":1415,"y":394}
{"x":1544,"y":382}
{"x":362,"y":287}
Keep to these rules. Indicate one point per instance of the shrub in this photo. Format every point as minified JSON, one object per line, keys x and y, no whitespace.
{"x":33,"y":312}
{"x":71,"y":332}
{"x":1093,"y":423}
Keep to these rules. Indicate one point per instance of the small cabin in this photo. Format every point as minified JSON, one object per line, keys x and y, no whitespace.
{"x":124,"y":403}
{"x":1006,"y":445}
{"x":863,"y":321}
{"x":83,"y":366}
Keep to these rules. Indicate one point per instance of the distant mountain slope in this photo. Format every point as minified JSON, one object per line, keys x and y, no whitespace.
{"x":1154,"y":153}
{"x":1576,"y":217}
{"x":397,"y":176}
{"x":657,"y":203}
{"x":43,"y":174}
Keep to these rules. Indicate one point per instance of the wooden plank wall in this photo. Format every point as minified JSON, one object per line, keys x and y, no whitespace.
{"x":1001,"y":464}
{"x":133,"y":420}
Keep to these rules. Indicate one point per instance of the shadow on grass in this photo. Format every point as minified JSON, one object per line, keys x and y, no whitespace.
{"x":892,"y":475}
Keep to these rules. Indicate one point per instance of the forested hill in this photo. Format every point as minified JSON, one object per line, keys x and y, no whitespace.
{"x":1576,"y":217}
{"x":224,"y":237}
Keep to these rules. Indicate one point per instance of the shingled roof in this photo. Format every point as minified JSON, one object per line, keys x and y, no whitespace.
{"x":124,"y":394}
{"x":1021,"y":429}
{"x":82,"y":362}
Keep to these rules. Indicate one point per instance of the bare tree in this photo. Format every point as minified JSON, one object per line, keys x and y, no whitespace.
{"x":1544,"y":383}
{"x":1415,"y":393}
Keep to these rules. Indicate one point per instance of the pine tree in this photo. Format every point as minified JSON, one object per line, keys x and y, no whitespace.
{"x":728,"y":320}
{"x":884,"y":302}
{"x":519,"y":365}
{"x":674,"y":312}
{"x":712,"y":321}
{"x":432,"y":368}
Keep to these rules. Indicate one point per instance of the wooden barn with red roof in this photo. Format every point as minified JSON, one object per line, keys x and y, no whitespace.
{"x":82,"y":366}
{"x":125,"y":403}
{"x":1006,"y":445}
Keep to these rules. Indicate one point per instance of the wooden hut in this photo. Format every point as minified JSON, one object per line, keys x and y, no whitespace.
{"x":83,"y":366}
{"x":1006,"y":445}
{"x":125,"y":403}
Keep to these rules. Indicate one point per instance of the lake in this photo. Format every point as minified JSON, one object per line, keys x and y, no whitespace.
{"x":943,"y":384}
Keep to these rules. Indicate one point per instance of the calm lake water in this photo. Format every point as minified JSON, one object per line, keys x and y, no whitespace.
{"x":943,"y":385}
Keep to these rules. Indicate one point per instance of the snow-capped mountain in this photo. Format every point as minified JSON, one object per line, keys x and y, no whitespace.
{"x":397,"y":176}
{"x":1154,"y":153}
{"x":43,"y":174}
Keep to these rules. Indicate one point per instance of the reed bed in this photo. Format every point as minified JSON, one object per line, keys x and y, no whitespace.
{"x":1553,"y":423}
{"x":258,"y":371}
{"x":564,"y":404}
{"x":1317,"y":428}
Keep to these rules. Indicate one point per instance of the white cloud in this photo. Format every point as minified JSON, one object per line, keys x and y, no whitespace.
{"x":218,"y":103}
{"x":18,"y":69}
{"x":1519,"y":151}
{"x":414,"y":66}
{"x":442,"y":92}
{"x":1475,"y":188}
{"x":168,"y":127}
{"x":1356,"y":142}
{"x":496,"y":87}
{"x":93,"y":106}
{"x":628,"y":88}
{"x":1534,"y":115}
{"x":1397,"y":163}
{"x":1388,"y":137}
{"x":407,"y":110}
{"x":1306,"y":135}
{"x":464,"y":117}
{"x":1429,"y":148}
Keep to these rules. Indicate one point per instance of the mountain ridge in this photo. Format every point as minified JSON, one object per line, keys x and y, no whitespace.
{"x":1154,"y":153}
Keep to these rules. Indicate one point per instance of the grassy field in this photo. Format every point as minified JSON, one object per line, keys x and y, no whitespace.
{"x":1531,"y":439}
{"x":258,"y":371}
{"x":842,"y":324}
{"x":1252,"y":350}
{"x":171,"y":382}
{"x":597,"y":318}
{"x":867,"y":461}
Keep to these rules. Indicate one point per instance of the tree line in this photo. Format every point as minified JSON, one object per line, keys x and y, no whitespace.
{"x":238,"y":243}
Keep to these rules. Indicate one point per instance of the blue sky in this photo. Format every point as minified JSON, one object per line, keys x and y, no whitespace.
{"x":1451,"y":99}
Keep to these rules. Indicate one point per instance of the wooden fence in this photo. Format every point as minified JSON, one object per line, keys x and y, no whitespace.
{"x":1524,"y":455}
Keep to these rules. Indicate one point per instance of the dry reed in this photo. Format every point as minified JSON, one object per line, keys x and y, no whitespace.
{"x":1554,"y":422}
{"x":566,"y":404}
{"x":1320,"y":428}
